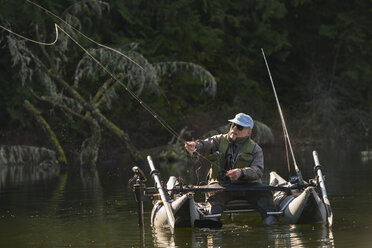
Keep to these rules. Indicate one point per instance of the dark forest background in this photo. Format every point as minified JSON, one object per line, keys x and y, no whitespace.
{"x":319,"y":52}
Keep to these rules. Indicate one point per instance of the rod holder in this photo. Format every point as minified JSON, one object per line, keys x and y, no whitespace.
{"x":139,"y":193}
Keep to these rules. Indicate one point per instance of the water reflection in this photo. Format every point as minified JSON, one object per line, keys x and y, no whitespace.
{"x":93,"y":208}
{"x":366,"y":156}
{"x":79,"y":208}
{"x":163,"y":238}
{"x":317,"y":235}
{"x":21,"y":174}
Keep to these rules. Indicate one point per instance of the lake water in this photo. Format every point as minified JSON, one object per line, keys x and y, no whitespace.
{"x":42,"y":208}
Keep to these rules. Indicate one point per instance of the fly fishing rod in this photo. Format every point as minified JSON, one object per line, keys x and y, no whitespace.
{"x":286,"y":135}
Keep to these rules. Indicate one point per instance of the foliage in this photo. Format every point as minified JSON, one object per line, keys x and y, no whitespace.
{"x":43,"y":73}
{"x":331,"y":61}
{"x":319,"y":53}
{"x":16,"y":155}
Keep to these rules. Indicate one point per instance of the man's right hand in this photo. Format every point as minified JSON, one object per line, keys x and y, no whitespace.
{"x":190,"y":146}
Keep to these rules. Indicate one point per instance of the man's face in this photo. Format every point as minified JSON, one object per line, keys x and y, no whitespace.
{"x":237,"y":131}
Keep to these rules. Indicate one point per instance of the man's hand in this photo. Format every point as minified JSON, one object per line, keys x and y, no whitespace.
{"x":234,"y":174}
{"x":190,"y":146}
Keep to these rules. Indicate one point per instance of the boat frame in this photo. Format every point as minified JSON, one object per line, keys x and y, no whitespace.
{"x":174,"y":204}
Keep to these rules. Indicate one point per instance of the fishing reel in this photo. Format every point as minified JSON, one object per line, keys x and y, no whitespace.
{"x":195,"y":156}
{"x":138,"y":179}
{"x":139,"y":174}
{"x":293,"y":179}
{"x":222,"y":178}
{"x":298,"y":182}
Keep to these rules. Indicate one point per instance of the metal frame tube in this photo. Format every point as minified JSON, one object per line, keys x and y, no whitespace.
{"x":166,"y":204}
{"x":318,"y":171}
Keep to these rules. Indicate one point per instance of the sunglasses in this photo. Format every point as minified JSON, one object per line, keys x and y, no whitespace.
{"x":240,"y":128}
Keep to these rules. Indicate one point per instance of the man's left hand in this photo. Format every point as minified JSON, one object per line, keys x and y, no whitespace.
{"x":234,"y":174}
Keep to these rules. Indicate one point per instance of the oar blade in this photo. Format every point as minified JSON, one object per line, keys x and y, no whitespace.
{"x":322,"y":186}
{"x":166,"y":204}
{"x":170,"y":215}
{"x":329,"y":210}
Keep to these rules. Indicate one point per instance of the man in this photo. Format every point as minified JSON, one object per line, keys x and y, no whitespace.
{"x":237,"y":158}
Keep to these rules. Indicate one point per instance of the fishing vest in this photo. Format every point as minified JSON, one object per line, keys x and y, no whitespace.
{"x":219,"y":163}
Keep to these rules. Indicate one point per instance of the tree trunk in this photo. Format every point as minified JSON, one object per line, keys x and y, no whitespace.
{"x":52,"y":136}
{"x":90,"y":146}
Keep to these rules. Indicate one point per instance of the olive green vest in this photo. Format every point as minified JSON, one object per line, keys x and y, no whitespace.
{"x":244,"y":159}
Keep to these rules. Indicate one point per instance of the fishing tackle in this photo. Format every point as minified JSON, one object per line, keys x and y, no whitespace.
{"x":285,"y":131}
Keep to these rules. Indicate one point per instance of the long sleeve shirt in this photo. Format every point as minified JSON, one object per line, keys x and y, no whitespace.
{"x":253,"y":173}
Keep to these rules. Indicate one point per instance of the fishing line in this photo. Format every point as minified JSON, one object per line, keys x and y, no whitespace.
{"x":86,"y":37}
{"x":34,"y":41}
{"x":286,"y":135}
{"x":145,"y":106}
{"x":142,"y":103}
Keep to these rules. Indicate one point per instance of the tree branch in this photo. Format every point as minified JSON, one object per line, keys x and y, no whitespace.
{"x":100,"y":96}
{"x":44,"y":124}
{"x":124,"y":137}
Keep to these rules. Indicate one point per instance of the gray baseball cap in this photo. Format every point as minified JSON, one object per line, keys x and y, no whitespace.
{"x":243,"y":120}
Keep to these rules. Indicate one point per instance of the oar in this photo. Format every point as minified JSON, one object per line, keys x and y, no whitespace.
{"x":166,"y":204}
{"x":323,"y":188}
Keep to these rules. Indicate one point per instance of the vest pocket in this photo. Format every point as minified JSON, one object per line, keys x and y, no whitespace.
{"x":244,"y":160}
{"x":215,"y":167}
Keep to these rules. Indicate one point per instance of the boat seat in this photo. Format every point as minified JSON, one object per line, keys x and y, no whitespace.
{"x":238,"y":206}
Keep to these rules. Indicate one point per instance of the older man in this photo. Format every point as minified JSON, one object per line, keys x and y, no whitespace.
{"x":235,"y":157}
